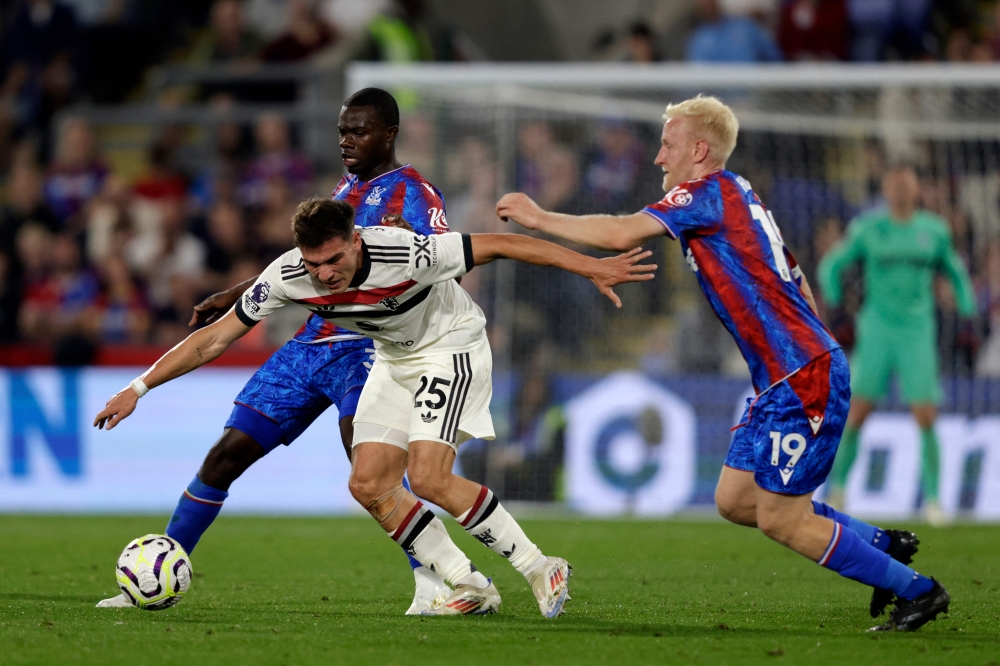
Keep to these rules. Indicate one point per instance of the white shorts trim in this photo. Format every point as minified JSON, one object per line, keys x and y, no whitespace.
{"x":373,"y":432}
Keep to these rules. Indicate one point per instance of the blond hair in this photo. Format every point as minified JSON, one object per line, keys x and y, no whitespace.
{"x":714,"y":122}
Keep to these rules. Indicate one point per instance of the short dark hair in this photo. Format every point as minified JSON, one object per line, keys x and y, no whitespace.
{"x":384,"y":104}
{"x":318,"y":220}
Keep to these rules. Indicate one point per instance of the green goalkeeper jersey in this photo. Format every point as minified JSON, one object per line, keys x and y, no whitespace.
{"x":899,"y":260}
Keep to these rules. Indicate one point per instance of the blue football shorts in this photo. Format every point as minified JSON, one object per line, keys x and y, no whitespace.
{"x":296,"y":385}
{"x":788,"y":436}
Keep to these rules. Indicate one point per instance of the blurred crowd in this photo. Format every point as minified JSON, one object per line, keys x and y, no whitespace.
{"x":762,"y":31}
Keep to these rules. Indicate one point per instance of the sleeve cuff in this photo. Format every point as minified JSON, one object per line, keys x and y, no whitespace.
{"x":243,"y":316}
{"x":652,"y":214}
{"x":467,"y":250}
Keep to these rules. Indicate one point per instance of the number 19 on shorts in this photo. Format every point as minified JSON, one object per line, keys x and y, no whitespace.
{"x":793,"y":444}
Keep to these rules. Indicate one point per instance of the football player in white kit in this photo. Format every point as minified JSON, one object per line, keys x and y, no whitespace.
{"x":429,"y":389}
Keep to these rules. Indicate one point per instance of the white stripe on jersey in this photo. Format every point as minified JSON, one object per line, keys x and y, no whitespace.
{"x":404,"y":296}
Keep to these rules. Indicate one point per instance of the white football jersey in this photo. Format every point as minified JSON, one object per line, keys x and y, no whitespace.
{"x":404,"y":295}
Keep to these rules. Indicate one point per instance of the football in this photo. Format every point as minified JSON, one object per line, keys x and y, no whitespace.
{"x":154,"y":572}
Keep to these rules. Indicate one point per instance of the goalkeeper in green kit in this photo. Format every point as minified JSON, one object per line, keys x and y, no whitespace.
{"x":900,"y":248}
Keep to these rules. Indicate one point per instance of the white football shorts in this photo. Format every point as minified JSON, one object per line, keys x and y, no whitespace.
{"x":442,"y":398}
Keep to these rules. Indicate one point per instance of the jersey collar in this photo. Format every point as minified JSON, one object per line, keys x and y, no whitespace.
{"x":366,"y":268}
{"x":383,"y":174}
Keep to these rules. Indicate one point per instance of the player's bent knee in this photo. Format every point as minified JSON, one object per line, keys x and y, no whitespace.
{"x":430,"y":487}
{"x":777,"y":527}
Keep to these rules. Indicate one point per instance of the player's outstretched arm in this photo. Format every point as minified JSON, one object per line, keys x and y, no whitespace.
{"x":603,"y":232}
{"x":604,"y":273}
{"x":216,"y":305}
{"x":196,"y":350}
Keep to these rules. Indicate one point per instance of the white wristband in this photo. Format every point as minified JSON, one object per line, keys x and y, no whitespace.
{"x":139,"y":386}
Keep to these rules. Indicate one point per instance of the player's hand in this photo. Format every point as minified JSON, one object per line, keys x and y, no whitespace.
{"x":521,"y":208}
{"x":623,"y":268}
{"x":118,"y":408}
{"x":216,"y":305}
{"x":394,"y":220}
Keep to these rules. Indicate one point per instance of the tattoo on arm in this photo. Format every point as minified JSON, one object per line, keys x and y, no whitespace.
{"x":200,"y":356}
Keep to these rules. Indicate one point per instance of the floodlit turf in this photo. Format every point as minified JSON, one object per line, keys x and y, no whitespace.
{"x":333,"y":591}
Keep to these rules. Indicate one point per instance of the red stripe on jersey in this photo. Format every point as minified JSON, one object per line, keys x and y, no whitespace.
{"x":812,"y":386}
{"x":362,"y":296}
{"x":736,"y":306}
{"x":742,"y":232}
{"x":394,"y":205}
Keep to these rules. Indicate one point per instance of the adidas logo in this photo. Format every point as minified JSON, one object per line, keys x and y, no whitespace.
{"x":428,"y":418}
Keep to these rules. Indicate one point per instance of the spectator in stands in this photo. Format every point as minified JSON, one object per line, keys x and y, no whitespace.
{"x":988,"y":295}
{"x":880,"y":25}
{"x":613,"y":168}
{"x":172,"y":253}
{"x":39,"y":44}
{"x":60,"y":300}
{"x":228,"y":38}
{"x":416,"y":146}
{"x":273,"y":230}
{"x":351,"y":17}
{"x":76,"y":174}
{"x":124,"y":313}
{"x":641,"y":44}
{"x":546,"y":169}
{"x":276,"y":158}
{"x":813,"y":30}
{"x":25,"y":205}
{"x":227,"y":239}
{"x":304,"y":35}
{"x":400,"y":34}
{"x":218,"y":179}
{"x":735,"y":39}
{"x":162,"y":180}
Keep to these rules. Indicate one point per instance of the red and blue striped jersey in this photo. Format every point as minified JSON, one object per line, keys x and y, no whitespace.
{"x":734,"y":247}
{"x":402,"y":191}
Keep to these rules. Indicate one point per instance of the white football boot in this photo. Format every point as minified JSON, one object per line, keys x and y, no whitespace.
{"x":550,"y":583}
{"x":431,"y":591}
{"x":469,"y":600}
{"x":121,"y":601}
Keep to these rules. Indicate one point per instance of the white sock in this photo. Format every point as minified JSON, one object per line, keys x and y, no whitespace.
{"x":425,"y":537}
{"x":496,"y":529}
{"x":475,"y":579}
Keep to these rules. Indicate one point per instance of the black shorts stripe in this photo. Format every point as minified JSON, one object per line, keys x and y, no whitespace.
{"x":461,"y":399}
{"x":456,"y":401}
{"x":455,"y":392}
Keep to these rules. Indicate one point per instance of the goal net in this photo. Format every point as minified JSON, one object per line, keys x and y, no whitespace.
{"x":814,"y":142}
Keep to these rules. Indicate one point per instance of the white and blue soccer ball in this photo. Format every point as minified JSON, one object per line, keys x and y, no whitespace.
{"x":154,"y":572}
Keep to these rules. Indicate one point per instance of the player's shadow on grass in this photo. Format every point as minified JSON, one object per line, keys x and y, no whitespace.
{"x":24,"y":596}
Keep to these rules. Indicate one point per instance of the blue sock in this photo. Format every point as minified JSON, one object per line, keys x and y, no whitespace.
{"x":413,"y":561}
{"x":196,"y":509}
{"x":901,"y":577}
{"x":852,"y":558}
{"x":870,"y":534}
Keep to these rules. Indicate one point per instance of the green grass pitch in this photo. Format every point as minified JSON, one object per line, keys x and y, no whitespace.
{"x":332,"y":591}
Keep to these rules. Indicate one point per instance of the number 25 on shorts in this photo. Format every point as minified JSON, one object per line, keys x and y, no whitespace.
{"x":433,"y":390}
{"x":792,"y":444}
